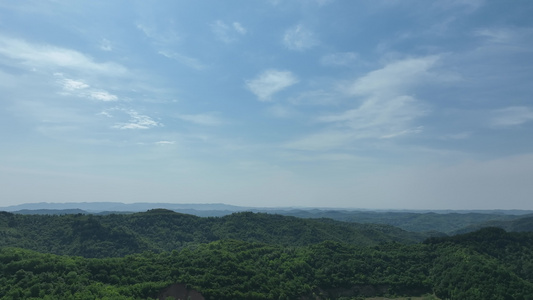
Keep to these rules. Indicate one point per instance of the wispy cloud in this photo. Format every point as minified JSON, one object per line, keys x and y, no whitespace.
{"x":73,"y":85}
{"x":518,"y":37}
{"x":239,"y":28}
{"x":511,"y":116}
{"x":270,"y":82}
{"x":157,"y":36}
{"x":386,"y":108}
{"x":183,"y":59}
{"x":228,"y":32}
{"x":165,"y":143}
{"x":378,"y":117}
{"x":105,"y":45}
{"x":207,"y":119}
{"x":137,"y":121}
{"x":103,"y":96}
{"x":395,"y":78}
{"x":80,"y":88}
{"x":299,"y":38}
{"x":51,"y":57}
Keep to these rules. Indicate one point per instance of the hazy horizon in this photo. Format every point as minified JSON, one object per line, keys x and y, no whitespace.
{"x":220,"y":207}
{"x":323,"y":103}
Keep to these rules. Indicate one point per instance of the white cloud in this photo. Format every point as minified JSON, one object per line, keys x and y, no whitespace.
{"x":299,"y":38}
{"x":72,"y":85}
{"x":239,"y":28}
{"x":103,"y":96}
{"x":183,"y":59}
{"x":137,"y":121}
{"x":339,"y":59}
{"x":105,"y":45}
{"x":270,"y":82}
{"x":497,"y":35}
{"x":385,"y":107}
{"x":396,"y":78}
{"x":379,"y":118}
{"x":517,"y":37}
{"x":81,"y":89}
{"x":511,"y":116}
{"x":208,"y":119}
{"x":227,"y":33}
{"x":165,"y":143}
{"x":51,"y":57}
{"x":105,"y":114}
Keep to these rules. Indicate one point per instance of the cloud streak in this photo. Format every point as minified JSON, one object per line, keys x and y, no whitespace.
{"x":385,"y":107}
{"x":228,"y":33}
{"x":270,"y":82}
{"x":299,"y":38}
{"x":185,"y":60}
{"x":511,"y":116}
{"x":137,"y":121}
{"x":51,"y":57}
{"x":81,"y":89}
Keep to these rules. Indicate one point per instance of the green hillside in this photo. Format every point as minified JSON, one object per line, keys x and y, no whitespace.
{"x":522,"y":224}
{"x":247,"y":255}
{"x":446,"y":222}
{"x":464,"y":267}
{"x":163,"y":230}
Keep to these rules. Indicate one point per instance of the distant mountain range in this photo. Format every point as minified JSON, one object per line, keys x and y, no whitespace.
{"x":99,"y":207}
{"x":445,"y":221}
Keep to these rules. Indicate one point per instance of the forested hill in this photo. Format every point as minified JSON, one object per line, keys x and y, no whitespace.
{"x":522,"y":224}
{"x":447,"y":222}
{"x":164,"y":230}
{"x":490,"y":264}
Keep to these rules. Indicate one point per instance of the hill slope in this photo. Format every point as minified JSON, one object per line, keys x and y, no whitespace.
{"x":489,"y":264}
{"x":163,"y":230}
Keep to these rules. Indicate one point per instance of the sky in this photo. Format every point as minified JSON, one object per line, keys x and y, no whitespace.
{"x":304,"y":103}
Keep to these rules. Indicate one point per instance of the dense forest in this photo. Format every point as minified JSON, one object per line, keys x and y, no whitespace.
{"x":164,"y":230}
{"x":253,"y":256}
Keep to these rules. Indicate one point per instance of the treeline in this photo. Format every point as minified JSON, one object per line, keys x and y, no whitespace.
{"x":488,"y":264}
{"x":160,"y":230}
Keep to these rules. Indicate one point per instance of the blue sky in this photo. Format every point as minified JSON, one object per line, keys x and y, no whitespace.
{"x":358,"y":104}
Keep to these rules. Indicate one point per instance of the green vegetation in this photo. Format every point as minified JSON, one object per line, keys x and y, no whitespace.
{"x":449,"y":223}
{"x":253,"y":256}
{"x":163,"y":230}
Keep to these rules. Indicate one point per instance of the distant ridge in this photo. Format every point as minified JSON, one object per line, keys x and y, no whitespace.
{"x":444,"y":221}
{"x":98,"y":207}
{"x":50,"y":211}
